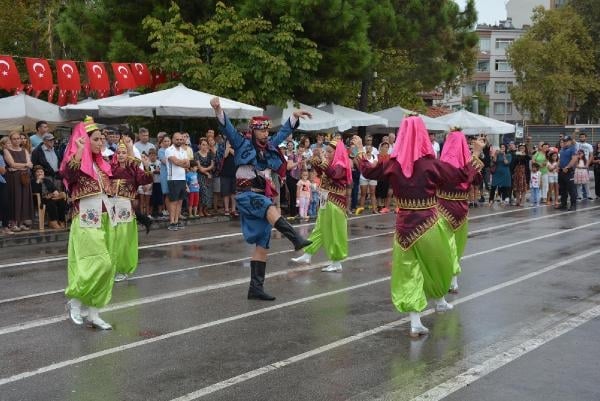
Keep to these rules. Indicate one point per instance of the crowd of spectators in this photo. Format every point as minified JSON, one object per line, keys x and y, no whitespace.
{"x":193,"y":180}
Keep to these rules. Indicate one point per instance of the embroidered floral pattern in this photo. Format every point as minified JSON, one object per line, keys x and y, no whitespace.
{"x":90,"y":216}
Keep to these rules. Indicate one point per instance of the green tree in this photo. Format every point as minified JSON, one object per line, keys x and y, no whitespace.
{"x":554,"y":65}
{"x":589,"y":11}
{"x":248,"y":59}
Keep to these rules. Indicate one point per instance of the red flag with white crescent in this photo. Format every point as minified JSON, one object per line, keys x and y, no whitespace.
{"x":67,"y":75}
{"x":97,"y":76}
{"x":158,"y":77}
{"x":40,"y":74}
{"x":123,"y":77}
{"x":62,"y":97}
{"x":9,"y":75}
{"x":141,"y":74}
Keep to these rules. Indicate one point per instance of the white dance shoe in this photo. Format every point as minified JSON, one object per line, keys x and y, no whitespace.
{"x":418,"y":331}
{"x":94,"y":321}
{"x":334,"y":267}
{"x":441,"y":306}
{"x":305,"y":258}
{"x":74,"y":310}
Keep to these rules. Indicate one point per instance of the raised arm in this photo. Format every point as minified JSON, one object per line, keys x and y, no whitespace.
{"x":290,"y":125}
{"x":225,"y":125}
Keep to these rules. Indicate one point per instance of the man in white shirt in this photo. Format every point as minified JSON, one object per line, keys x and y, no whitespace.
{"x":177,"y":162}
{"x":143,"y":144}
{"x":435,"y":145}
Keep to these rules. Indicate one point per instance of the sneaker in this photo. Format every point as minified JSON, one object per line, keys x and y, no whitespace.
{"x":384,"y":210}
{"x":334,"y":267}
{"x":120,"y":277}
{"x":165,"y":213}
{"x":180,"y":226}
{"x":417,"y":331}
{"x":172,"y":227}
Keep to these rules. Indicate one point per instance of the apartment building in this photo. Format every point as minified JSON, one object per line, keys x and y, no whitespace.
{"x":493,"y":75}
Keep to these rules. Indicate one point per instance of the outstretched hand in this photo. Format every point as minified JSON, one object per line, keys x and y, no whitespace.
{"x":302,"y":114}
{"x":357,"y":141}
{"x":215,"y":103}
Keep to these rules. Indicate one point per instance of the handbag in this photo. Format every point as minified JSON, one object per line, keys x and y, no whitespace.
{"x":25,"y":178}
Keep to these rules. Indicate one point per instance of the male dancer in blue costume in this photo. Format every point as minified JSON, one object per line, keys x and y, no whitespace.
{"x":255,"y":157}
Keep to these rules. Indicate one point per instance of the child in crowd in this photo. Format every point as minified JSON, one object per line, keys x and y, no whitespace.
{"x":303,"y":193}
{"x":193,"y":188}
{"x":553,"y":179}
{"x":534,"y":184}
{"x":582,"y":176}
{"x":156,"y":199}
{"x":315,"y":184}
{"x":145,"y":192}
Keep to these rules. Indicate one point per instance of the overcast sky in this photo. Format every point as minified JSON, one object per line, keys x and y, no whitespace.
{"x":488,"y":11}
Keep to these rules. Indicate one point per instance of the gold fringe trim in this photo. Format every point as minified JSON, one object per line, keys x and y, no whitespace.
{"x":454,"y":223}
{"x":420,"y":230}
{"x":454,"y":195}
{"x":416,"y":204}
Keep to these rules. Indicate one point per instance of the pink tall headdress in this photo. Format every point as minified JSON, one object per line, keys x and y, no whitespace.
{"x":456,"y":152}
{"x":412,"y":143}
{"x":340,"y":158}
{"x":87,"y":158}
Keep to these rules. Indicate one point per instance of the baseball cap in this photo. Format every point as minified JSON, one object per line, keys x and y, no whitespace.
{"x":47,"y":137}
{"x":567,"y":138}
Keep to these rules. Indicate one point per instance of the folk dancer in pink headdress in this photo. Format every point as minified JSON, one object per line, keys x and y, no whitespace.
{"x":422,"y":261}
{"x":127,"y":176}
{"x":90,"y":268}
{"x":331,"y":228}
{"x":255,"y":157}
{"x":453,"y":200}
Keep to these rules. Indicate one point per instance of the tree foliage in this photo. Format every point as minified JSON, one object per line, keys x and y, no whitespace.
{"x":248,"y":59}
{"x":554,"y":65}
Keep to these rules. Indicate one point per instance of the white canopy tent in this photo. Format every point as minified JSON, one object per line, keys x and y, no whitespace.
{"x":355,"y":117}
{"x":395,"y":115}
{"x":179,"y":101}
{"x":22,"y":112}
{"x":320,"y":120}
{"x":473,"y":124}
{"x":90,"y":107}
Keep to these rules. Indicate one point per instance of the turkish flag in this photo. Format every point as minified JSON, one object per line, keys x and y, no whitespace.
{"x":141,"y":74}
{"x":9,"y":75}
{"x":97,"y":76}
{"x":158,"y":78}
{"x":40,"y":74}
{"x":67,"y":75}
{"x":62,"y":97}
{"x":123,"y":77}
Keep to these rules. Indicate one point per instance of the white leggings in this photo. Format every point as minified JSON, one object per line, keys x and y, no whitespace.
{"x":303,"y":203}
{"x":544,"y":187}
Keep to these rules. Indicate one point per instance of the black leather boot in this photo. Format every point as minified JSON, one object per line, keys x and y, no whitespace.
{"x":257,"y":279}
{"x":288,"y":231}
{"x":144,"y":220}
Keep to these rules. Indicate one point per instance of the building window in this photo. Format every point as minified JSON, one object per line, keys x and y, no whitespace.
{"x":502,"y":108}
{"x":484,"y":44}
{"x":503,"y":65}
{"x":481,"y":87}
{"x":503,"y":43}
{"x":483,"y":65}
{"x":502,"y":87}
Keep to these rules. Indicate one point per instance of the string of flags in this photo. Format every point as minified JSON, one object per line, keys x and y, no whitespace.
{"x":69,"y":83}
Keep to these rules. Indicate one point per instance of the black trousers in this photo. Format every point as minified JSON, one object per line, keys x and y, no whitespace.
{"x":56,"y":209}
{"x":597,"y":182}
{"x":567,"y":188}
{"x":291,"y":183}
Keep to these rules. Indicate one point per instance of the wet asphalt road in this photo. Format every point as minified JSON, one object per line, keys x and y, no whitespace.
{"x":524,"y":326}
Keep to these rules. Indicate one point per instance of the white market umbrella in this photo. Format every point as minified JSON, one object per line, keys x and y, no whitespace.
{"x":473,"y":124}
{"x":90,"y":107}
{"x":320,"y":120}
{"x":23,"y":111}
{"x":179,"y":101}
{"x":395,"y":115}
{"x":356,"y":117}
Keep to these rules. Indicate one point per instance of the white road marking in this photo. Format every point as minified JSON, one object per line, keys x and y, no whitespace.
{"x":477,"y":372}
{"x":278,"y":365}
{"x":236,"y":234}
{"x":288,"y":361}
{"x":196,"y":290}
{"x":184,"y":269}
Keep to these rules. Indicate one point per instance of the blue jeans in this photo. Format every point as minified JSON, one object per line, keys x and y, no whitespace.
{"x":535,"y":196}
